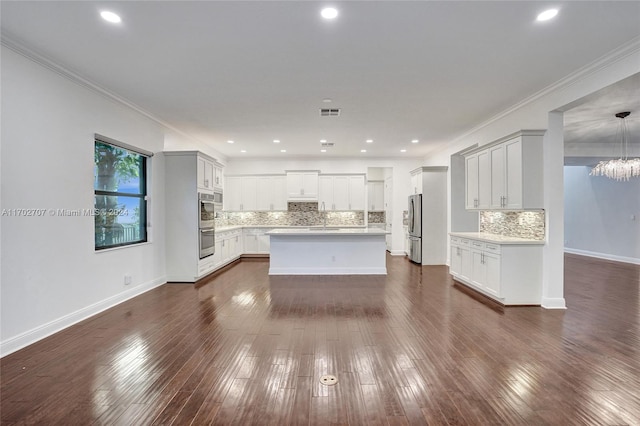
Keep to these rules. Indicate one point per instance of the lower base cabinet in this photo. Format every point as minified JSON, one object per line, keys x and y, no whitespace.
{"x":255,"y":240}
{"x":228,"y":248}
{"x":508,"y":273}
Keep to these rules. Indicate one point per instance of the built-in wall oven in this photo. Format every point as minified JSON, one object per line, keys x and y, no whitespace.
{"x":206,"y":224}
{"x":207,"y":209}
{"x":207,"y":242}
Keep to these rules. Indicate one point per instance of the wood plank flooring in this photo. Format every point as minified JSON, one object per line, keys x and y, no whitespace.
{"x":408,"y":348}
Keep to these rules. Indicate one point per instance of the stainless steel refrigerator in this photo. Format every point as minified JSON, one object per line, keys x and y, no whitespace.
{"x":414,"y":226}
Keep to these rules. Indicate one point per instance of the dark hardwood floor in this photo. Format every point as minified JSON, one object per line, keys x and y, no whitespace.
{"x":408,"y":348}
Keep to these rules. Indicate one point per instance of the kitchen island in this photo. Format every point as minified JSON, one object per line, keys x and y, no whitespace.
{"x":325,"y":251}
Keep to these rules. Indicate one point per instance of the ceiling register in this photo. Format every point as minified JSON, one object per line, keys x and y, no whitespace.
{"x":623,"y":168}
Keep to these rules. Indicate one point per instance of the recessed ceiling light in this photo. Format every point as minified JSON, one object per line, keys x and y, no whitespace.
{"x":323,"y":150}
{"x":229,"y":141}
{"x":243,"y":150}
{"x":283,"y":150}
{"x":415,"y":141}
{"x":327,"y":100}
{"x":547,"y":14}
{"x":110,"y":17}
{"x":363,"y":150}
{"x":276,"y":141}
{"x":329,"y":13}
{"x":369,"y":140}
{"x":403,"y":150}
{"x":323,"y":141}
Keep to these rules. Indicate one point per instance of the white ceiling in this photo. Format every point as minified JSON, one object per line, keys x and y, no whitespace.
{"x":257,"y":71}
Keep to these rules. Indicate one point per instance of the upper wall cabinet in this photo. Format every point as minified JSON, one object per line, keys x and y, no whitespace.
{"x":302,"y":185}
{"x":341,"y":192}
{"x":209,"y":173}
{"x":255,"y":193}
{"x":376,"y":195}
{"x":507,"y":174}
{"x":416,"y":181}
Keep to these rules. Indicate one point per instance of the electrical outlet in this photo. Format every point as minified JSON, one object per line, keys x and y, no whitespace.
{"x":333,"y":258}
{"x":127,"y":279}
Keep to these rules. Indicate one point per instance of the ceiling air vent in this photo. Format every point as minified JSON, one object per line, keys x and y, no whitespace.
{"x":326,"y":144}
{"x":329,"y":112}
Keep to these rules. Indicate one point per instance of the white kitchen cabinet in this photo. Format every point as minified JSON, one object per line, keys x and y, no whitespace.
{"x":218,"y":173}
{"x":255,"y":241}
{"x":187,"y":173}
{"x":255,"y":193}
{"x":205,"y":172}
{"x":249,"y":191}
{"x":375,"y":195}
{"x":498,"y":178}
{"x":508,"y":273}
{"x":302,"y":185}
{"x":461,"y":261}
{"x":416,"y":181}
{"x":341,"y":192}
{"x":233,"y":193}
{"x":271,"y":193}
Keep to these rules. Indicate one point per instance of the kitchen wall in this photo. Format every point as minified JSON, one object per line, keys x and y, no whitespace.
{"x":543,"y":110}
{"x":400,"y":169}
{"x":602,"y":216}
{"x":51,"y":276}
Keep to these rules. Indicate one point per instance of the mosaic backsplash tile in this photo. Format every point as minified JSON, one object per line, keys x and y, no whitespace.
{"x":525,"y":224}
{"x":290,"y":218}
{"x":376,"y":217}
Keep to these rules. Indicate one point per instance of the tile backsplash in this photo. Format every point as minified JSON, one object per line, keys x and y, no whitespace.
{"x":290,"y":218}
{"x":522,"y":224}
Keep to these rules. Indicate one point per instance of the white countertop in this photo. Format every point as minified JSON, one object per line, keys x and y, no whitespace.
{"x":494,"y":238}
{"x":327,"y":231}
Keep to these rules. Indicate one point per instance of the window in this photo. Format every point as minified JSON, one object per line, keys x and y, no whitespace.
{"x":120,"y":186}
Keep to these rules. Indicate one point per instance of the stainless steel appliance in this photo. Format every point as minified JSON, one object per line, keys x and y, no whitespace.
{"x":206,"y":224}
{"x":217,"y":199}
{"x":414,"y":226}
{"x":207,"y":210}
{"x":207,"y":242}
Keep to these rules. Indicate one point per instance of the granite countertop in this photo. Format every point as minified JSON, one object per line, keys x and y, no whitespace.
{"x":494,"y":238}
{"x":327,"y":231}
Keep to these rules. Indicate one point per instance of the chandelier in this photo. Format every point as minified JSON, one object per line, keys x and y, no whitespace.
{"x":623,"y":168}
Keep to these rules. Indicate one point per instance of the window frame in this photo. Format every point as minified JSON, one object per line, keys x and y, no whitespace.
{"x":142,"y":196}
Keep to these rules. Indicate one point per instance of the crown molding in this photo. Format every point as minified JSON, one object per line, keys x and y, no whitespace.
{"x":9,"y":42}
{"x":627,"y":49}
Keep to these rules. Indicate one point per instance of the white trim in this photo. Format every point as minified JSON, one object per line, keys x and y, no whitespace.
{"x":31,"y":336}
{"x":398,"y":253}
{"x":553,"y":303}
{"x":614,"y":56}
{"x":328,"y":271}
{"x":605,"y":256}
{"x":8,"y":41}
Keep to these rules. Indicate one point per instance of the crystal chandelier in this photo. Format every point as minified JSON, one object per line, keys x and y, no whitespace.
{"x":623,"y":168}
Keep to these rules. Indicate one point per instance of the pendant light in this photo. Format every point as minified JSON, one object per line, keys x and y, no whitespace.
{"x":623,"y":168}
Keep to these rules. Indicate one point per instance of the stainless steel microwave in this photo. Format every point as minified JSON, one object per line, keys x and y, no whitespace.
{"x":217,"y":199}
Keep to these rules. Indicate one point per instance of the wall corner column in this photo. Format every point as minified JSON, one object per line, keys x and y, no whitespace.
{"x":553,"y":181}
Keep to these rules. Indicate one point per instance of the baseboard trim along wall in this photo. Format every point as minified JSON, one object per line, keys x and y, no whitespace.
{"x":29,"y":337}
{"x":553,"y":303}
{"x":604,"y":256}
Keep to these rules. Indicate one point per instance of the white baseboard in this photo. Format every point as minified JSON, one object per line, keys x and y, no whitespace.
{"x":31,"y":336}
{"x":397,"y":253}
{"x":553,"y":303}
{"x":604,"y":256}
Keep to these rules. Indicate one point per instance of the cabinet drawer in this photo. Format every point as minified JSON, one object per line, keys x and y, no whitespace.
{"x":477,"y":245}
{"x":455,"y":240}
{"x":465,"y":242}
{"x":492,"y":248}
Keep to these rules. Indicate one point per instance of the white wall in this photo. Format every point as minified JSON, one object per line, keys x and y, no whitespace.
{"x":534,"y":113}
{"x":51,"y":277}
{"x":400,"y":170}
{"x":598,"y":215}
